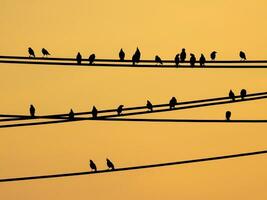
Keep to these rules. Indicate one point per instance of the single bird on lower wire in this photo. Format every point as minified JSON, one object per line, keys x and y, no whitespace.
{"x":192,"y":60}
{"x":242,"y":55}
{"x":45,"y":52}
{"x":79,"y":58}
{"x":136,"y":57}
{"x":177,"y":59}
{"x":202,"y":60}
{"x":228,"y":115}
{"x":31,"y":52}
{"x":158,"y":60}
{"x":110,"y":164}
{"x":213,"y":55}
{"x":32,"y":110}
{"x":121,"y":55}
{"x":183,"y":55}
{"x":91,"y":59}
{"x":93,"y":166}
{"x":94,"y":112}
{"x":71,"y":115}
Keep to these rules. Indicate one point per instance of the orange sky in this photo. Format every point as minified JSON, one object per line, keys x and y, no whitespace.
{"x":156,"y":27}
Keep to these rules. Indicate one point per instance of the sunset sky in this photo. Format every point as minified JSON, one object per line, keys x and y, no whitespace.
{"x":157,"y":28}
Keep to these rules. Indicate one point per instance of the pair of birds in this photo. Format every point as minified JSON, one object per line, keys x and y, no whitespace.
{"x":110,"y":165}
{"x":172,"y":103}
{"x":32,"y":54}
{"x":243,"y":94}
{"x":79,"y":58}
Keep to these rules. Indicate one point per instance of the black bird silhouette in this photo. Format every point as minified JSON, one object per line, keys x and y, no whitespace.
{"x":71,"y":115}
{"x":183,"y":55}
{"x":93,"y":166}
{"x":192,"y":60}
{"x":91,"y":59}
{"x":122,"y":55}
{"x":32,"y":110}
{"x":177,"y":59}
{"x":79,"y":58}
{"x":232,"y":95}
{"x":119,"y":109}
{"x":213,"y":55}
{"x":173,"y":102}
{"x":110,"y":164}
{"x":202,"y":60}
{"x":136,"y":57}
{"x":242,"y":55}
{"x":149,"y":105}
{"x":45,"y":52}
{"x":94,"y":112}
{"x":158,"y":59}
{"x":228,"y":115}
{"x":31,"y":52}
{"x":243,"y":94}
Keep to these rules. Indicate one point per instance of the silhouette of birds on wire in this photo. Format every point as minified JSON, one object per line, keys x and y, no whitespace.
{"x":173,"y":102}
{"x":183,"y":55}
{"x":243,"y":94}
{"x":94,"y":112}
{"x":242,"y":55}
{"x":149,"y":105}
{"x":121,"y":55}
{"x":79,"y":58}
{"x":232,"y":95}
{"x":31,"y":52}
{"x":213,"y":55}
{"x":228,"y":115}
{"x":119,"y":109}
{"x":158,"y":60}
{"x":177,"y":59}
{"x":91,"y":59}
{"x":45,"y":52}
{"x":202,"y":60}
{"x":136,"y":57}
{"x":192,"y":60}
{"x":71,"y":115}
{"x":110,"y":164}
{"x":32,"y":111}
{"x":93,"y":166}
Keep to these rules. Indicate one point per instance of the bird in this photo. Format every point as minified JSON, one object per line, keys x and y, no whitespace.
{"x":232,"y":95}
{"x":32,"y":110}
{"x":122,"y":55}
{"x":213,"y":55}
{"x":93,"y":166}
{"x":202,"y":60}
{"x":110,"y":164}
{"x":91,"y":59}
{"x":192,"y":60}
{"x":177,"y":59}
{"x":79,"y":58}
{"x":119,"y":109}
{"x":149,"y":105}
{"x":243,"y":94}
{"x":242,"y":55}
{"x":173,"y":102}
{"x":136,"y":57}
{"x":45,"y":52}
{"x":183,"y":55}
{"x":71,"y":115}
{"x":228,"y":115}
{"x":31,"y":52}
{"x":158,"y":59}
{"x":94,"y":112}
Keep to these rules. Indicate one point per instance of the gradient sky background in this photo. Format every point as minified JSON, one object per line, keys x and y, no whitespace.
{"x":156,"y":27}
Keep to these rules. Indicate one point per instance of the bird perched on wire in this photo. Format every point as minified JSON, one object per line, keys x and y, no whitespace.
{"x":243,"y":94}
{"x":149,"y":105}
{"x":177,"y":59}
{"x":110,"y":164}
{"x":228,"y":115}
{"x":31,"y":52}
{"x":136,"y":57}
{"x":173,"y":102}
{"x":158,"y":59}
{"x":94,"y":112}
{"x":202,"y":60}
{"x":119,"y":109}
{"x":232,"y":95}
{"x":93,"y":165}
{"x":213,"y":55}
{"x":192,"y":60}
{"x":45,"y":52}
{"x":32,"y":110}
{"x":71,"y":115}
{"x":242,"y":55}
{"x":91,"y":59}
{"x":79,"y":58}
{"x":122,"y":55}
{"x":183,"y":55}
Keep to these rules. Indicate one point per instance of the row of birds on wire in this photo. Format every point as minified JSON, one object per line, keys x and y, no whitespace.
{"x":136,"y":58}
{"x":172,"y":103}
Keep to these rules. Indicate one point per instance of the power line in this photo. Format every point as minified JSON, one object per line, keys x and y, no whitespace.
{"x":135,"y":167}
